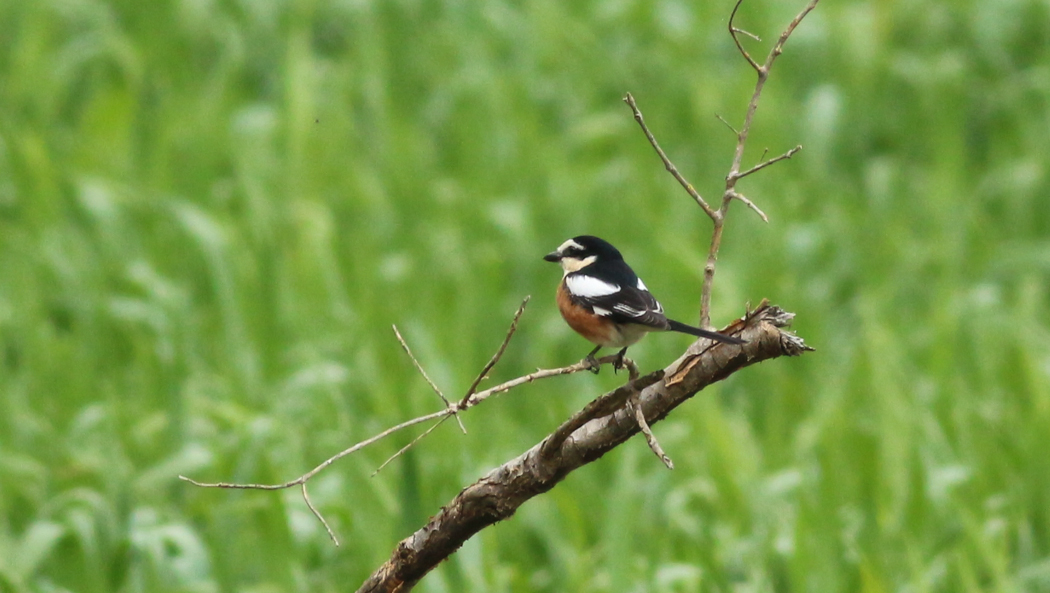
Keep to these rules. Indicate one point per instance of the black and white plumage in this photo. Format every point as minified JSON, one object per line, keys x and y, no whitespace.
{"x":602,"y":298}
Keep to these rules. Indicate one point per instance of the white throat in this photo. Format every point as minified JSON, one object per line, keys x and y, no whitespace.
{"x":572,"y":264}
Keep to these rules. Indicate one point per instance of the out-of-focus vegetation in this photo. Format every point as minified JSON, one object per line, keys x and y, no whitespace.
{"x":212,"y":211}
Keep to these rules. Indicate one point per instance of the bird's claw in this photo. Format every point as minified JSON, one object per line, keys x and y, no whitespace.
{"x":592,"y":364}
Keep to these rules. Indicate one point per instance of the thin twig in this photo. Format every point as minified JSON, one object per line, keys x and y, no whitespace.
{"x":402,"y":450}
{"x":650,"y":438}
{"x":499,"y":353}
{"x":419,"y":367}
{"x":751,"y":205}
{"x":765,"y":164}
{"x":305,"y":477}
{"x":320,"y":518}
{"x":583,"y":365}
{"x":751,"y":35}
{"x":733,"y":30}
{"x":663,"y":157}
{"x":728,"y":125}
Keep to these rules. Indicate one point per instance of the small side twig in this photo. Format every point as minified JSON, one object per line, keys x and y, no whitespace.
{"x":639,"y":416}
{"x":320,"y":517}
{"x":765,"y":164}
{"x":499,"y":353}
{"x":735,"y":131}
{"x":411,"y":443}
{"x":629,"y":99}
{"x":734,"y":31}
{"x":422,"y":371}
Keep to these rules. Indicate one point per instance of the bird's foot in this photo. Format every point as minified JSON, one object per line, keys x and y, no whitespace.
{"x":592,"y":364}
{"x":619,"y":362}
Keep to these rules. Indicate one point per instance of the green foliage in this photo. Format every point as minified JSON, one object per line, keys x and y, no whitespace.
{"x":212,"y":211}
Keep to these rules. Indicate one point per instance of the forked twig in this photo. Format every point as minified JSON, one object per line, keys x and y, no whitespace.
{"x":733,"y":30}
{"x":472,"y":399}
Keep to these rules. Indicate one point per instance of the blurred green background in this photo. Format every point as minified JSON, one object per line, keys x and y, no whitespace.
{"x":211,"y":212}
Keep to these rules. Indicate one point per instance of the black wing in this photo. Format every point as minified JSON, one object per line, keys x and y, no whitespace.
{"x":625,"y":301}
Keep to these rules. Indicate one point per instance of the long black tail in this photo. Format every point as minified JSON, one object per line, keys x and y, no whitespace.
{"x":678,"y":326}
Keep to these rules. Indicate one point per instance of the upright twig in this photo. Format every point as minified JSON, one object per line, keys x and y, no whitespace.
{"x":730,"y":193}
{"x":499,"y":353}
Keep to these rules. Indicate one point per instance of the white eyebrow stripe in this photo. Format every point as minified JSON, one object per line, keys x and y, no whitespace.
{"x":568,"y":244}
{"x":589,"y":287}
{"x":641,"y":285}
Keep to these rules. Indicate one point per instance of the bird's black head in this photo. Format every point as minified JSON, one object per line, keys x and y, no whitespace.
{"x":580,"y":252}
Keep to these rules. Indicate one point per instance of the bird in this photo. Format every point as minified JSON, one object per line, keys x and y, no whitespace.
{"x":603,"y":300}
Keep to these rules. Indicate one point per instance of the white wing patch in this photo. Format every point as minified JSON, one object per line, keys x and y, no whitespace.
{"x":589,"y":287}
{"x":601,"y":312}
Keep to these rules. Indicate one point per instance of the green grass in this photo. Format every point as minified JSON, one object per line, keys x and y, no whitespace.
{"x":212,"y":212}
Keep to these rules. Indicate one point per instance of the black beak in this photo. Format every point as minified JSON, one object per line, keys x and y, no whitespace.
{"x":552,"y":256}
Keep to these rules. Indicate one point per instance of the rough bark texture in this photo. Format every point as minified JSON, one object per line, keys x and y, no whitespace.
{"x":600,"y":426}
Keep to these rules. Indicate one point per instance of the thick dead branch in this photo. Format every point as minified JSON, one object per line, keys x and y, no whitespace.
{"x":602,"y":425}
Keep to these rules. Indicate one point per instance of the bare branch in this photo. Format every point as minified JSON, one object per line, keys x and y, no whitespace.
{"x":663,"y":157}
{"x":499,"y":353}
{"x":602,"y":406}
